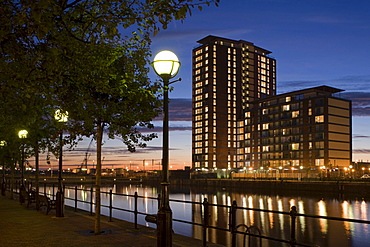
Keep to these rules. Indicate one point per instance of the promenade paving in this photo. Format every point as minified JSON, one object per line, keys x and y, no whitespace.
{"x":27,"y":227}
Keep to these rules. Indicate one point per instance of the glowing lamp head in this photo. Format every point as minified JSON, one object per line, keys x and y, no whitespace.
{"x":166,"y":64}
{"x":61,"y":116}
{"x":22,"y":134}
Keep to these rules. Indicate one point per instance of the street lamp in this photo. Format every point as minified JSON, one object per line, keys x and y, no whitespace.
{"x":166,"y":65}
{"x":61,"y":117}
{"x":3,"y":144}
{"x":22,"y":134}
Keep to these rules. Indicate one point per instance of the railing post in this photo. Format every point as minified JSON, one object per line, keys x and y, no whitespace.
{"x":45,"y":189}
{"x":135,"y":210}
{"x":110,"y":204}
{"x":205,"y":220}
{"x":233,"y":223}
{"x":76,"y":199}
{"x":159,"y":200}
{"x":91,"y":201}
{"x":293,"y":216}
{"x":53,"y":191}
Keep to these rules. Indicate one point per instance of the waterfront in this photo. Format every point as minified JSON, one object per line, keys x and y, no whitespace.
{"x":320,"y":232}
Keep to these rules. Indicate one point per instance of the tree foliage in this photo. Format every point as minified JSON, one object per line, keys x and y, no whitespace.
{"x":88,"y":57}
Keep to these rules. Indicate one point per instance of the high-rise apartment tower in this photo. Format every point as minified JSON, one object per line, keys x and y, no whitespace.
{"x":227,"y":76}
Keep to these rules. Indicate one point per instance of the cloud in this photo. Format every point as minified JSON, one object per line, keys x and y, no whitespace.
{"x":356,"y":89}
{"x":360,"y":136}
{"x":360,"y":102}
{"x":321,"y":19}
{"x":348,"y":83}
{"x":361,"y":151}
{"x":179,"y":110}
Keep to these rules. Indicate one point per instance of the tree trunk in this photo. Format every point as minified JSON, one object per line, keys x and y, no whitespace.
{"x":99,"y":137}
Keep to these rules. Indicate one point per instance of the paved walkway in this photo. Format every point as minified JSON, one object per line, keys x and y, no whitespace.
{"x":21,"y":226}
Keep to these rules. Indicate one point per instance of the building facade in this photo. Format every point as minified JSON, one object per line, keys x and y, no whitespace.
{"x":227,"y":76}
{"x":309,"y":128}
{"x":240,"y":123}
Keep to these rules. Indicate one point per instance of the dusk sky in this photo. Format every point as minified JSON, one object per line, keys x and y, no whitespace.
{"x":315,"y":42}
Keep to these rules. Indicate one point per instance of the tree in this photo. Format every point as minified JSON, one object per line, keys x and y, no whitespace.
{"x":88,"y":57}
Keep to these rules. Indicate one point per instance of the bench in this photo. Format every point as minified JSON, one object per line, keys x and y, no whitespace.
{"x":45,"y":201}
{"x":27,"y":196}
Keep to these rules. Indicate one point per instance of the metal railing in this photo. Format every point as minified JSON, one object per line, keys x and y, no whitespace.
{"x":252,"y":232}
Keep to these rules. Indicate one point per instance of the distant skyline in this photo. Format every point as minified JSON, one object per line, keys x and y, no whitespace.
{"x":314,"y":42}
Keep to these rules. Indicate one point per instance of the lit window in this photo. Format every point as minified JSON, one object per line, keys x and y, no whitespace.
{"x":287,"y":99}
{"x":198,"y":137}
{"x":265,"y":126}
{"x":295,"y":114}
{"x":198,"y":52}
{"x":265,"y":148}
{"x":319,"y":119}
{"x":286,"y":107}
{"x":295,"y":146}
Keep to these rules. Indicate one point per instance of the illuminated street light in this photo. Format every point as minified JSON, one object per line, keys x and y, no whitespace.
{"x":61,"y":117}
{"x":166,"y":65}
{"x":3,"y":144}
{"x":22,"y":134}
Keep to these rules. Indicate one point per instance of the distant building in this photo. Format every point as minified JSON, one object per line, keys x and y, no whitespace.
{"x":240,"y":122}
{"x":309,"y":128}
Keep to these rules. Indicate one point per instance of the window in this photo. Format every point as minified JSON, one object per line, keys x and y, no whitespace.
{"x":319,"y":119}
{"x":198,"y":98}
{"x":295,"y":146}
{"x":286,"y":107}
{"x":295,"y":114}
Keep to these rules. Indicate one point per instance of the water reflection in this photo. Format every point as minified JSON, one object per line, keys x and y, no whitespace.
{"x":321,"y":232}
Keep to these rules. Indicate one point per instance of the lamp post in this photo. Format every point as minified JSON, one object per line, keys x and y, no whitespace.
{"x":22,"y":134}
{"x":166,"y":65}
{"x":2,"y":144}
{"x":61,"y":117}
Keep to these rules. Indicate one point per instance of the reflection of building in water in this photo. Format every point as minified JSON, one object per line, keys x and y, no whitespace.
{"x":320,"y":232}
